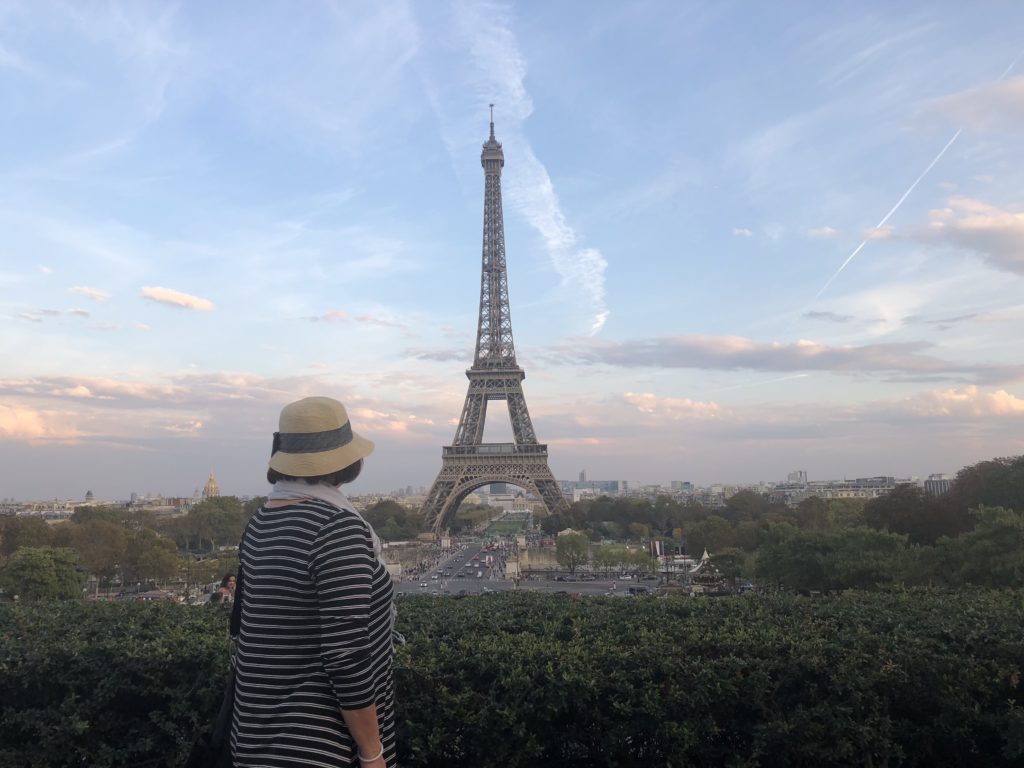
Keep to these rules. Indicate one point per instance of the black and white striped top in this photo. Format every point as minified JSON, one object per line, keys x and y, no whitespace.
{"x":315,"y":638}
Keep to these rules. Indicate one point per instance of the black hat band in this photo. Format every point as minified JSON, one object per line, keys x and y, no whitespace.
{"x":313,"y":442}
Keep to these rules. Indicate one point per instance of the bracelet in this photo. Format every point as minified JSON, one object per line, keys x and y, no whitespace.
{"x":370,"y":759}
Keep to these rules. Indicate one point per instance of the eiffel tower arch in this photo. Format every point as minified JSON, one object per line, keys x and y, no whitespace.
{"x":469,"y":463}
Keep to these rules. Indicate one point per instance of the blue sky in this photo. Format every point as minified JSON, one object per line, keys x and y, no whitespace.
{"x":210,"y":210}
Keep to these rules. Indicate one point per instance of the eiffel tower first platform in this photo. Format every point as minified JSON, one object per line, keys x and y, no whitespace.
{"x":469,"y":463}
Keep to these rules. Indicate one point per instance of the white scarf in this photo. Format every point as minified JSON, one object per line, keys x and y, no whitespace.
{"x":298,"y":489}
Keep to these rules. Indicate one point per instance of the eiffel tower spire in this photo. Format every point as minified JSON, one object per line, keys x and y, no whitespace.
{"x":469,"y":463}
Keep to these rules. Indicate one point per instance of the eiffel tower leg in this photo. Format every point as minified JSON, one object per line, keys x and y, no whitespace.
{"x":518,"y":414}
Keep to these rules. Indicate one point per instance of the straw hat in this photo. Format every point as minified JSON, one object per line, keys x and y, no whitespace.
{"x":316,"y":438}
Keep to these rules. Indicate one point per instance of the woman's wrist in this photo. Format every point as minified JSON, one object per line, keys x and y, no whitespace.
{"x":371,"y":757}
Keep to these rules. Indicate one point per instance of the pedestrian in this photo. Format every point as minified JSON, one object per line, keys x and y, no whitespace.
{"x":314,"y":682}
{"x":227,"y":587}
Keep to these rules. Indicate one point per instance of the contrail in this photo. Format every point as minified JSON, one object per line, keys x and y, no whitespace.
{"x":893,"y":210}
{"x":758,"y":383}
{"x":906,"y":194}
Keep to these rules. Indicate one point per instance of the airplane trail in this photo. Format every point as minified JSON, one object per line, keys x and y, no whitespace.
{"x":906,"y":194}
{"x":759,"y":383}
{"x":892,"y":210}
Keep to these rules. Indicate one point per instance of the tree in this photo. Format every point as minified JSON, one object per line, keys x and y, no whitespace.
{"x":745,"y":505}
{"x":731,"y":563}
{"x":992,"y":555}
{"x":997,"y":482}
{"x":252,"y":506}
{"x":712,"y":533}
{"x":20,"y":532}
{"x":101,"y":546}
{"x":790,"y":558}
{"x":43,"y":573}
{"x":394,"y":522}
{"x":218,"y":520}
{"x":609,"y":556}
{"x":150,"y":557}
{"x":571,"y":550}
{"x":106,"y":512}
{"x":907,"y":509}
{"x":812,"y":514}
{"x":862,"y":558}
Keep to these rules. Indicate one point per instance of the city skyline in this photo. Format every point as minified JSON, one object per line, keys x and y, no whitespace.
{"x":741,"y":240}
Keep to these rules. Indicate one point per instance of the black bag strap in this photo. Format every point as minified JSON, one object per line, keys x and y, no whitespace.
{"x":236,"y":607}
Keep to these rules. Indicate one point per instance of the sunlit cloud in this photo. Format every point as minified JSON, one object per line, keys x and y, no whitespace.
{"x":185,"y":428}
{"x":90,"y":293}
{"x":994,"y":106}
{"x":676,"y":409}
{"x":341,"y":316}
{"x":997,"y":235}
{"x":823,"y":232}
{"x":31,"y":424}
{"x":878,"y":233}
{"x":832,"y":317}
{"x":174,"y":298}
{"x":966,"y":402}
{"x":498,"y":75}
{"x":902,"y":361}
{"x":742,"y":232}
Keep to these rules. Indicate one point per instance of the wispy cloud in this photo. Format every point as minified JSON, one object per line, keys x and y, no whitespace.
{"x":995,"y":106}
{"x":742,"y":232}
{"x":90,"y":293}
{"x":341,"y":316}
{"x":880,"y":226}
{"x":676,"y":409}
{"x":903,"y":361}
{"x":832,"y":317}
{"x":997,"y":235}
{"x":22,"y":423}
{"x":499,"y":72}
{"x":173,"y":298}
{"x":822,"y":232}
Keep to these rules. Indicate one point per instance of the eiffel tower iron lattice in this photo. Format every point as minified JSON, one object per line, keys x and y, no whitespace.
{"x":469,"y":463}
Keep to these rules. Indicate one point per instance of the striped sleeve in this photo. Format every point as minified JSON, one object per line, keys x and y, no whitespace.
{"x":342,"y":566}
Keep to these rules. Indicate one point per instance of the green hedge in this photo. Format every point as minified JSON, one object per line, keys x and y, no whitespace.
{"x":889,"y":679}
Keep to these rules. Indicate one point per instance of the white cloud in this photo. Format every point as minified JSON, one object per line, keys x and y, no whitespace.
{"x":997,"y":235}
{"x":822,"y":232}
{"x":176,"y":299}
{"x":878,"y":233}
{"x":499,"y":72}
{"x":967,"y":402}
{"x":995,"y":106}
{"x":22,"y":423}
{"x":675,"y":409}
{"x":742,"y":232}
{"x":900,"y":361}
{"x":90,"y":293}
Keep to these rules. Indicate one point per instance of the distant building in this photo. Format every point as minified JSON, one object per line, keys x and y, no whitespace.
{"x":936,"y":485}
{"x":583,"y":488}
{"x":211,"y":489}
{"x":797,"y":478}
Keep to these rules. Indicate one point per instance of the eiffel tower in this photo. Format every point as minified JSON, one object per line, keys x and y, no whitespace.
{"x":469,"y":463}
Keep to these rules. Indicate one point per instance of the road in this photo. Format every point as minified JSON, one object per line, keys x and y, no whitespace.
{"x":457,"y":574}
